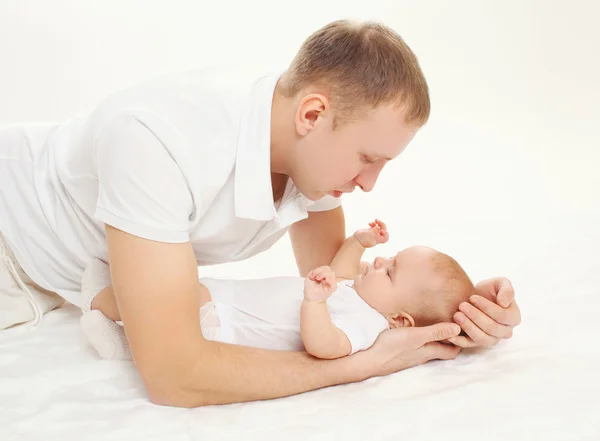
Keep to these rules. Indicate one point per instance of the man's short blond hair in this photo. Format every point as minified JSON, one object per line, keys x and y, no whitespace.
{"x":360,"y":66}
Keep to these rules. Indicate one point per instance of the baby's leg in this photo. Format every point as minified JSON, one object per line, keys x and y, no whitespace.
{"x":106,"y":336}
{"x":106,"y":302}
{"x":97,"y":291}
{"x":100,"y":311}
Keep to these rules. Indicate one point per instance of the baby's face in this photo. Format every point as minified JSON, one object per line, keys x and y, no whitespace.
{"x":388,"y":283}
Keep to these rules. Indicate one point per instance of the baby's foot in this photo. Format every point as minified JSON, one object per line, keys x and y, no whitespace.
{"x":106,"y":336}
{"x":96,"y":277}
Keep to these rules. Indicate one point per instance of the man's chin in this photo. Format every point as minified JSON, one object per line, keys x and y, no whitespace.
{"x":314,"y":196}
{"x":317,"y":195}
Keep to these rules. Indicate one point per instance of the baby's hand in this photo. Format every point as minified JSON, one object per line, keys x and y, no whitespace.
{"x":319,"y":284}
{"x":377,"y":234}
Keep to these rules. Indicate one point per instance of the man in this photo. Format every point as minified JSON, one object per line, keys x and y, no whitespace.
{"x":215,"y":166}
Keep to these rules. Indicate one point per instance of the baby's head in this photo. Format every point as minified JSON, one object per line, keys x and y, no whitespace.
{"x":418,"y":287}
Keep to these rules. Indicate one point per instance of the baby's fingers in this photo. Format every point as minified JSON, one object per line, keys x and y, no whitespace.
{"x":322,"y":272}
{"x":316,"y":274}
{"x":327,"y":279}
{"x":381,"y":224}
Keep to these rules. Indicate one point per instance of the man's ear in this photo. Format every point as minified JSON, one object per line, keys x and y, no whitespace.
{"x":401,"y":320}
{"x":310,"y":110}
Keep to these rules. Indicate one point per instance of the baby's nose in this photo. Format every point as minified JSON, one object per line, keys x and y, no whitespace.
{"x":381,"y":262}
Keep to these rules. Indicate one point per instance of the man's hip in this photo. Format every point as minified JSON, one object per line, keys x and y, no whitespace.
{"x":21,"y":299}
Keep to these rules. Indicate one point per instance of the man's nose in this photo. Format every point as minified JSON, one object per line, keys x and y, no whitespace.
{"x":368,"y":177}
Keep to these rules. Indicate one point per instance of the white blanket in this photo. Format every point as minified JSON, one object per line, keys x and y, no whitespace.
{"x":542,"y":384}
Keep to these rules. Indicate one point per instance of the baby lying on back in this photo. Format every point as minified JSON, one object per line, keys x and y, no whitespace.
{"x":335,"y":311}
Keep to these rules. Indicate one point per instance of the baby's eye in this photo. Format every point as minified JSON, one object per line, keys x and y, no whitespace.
{"x":389,"y":271}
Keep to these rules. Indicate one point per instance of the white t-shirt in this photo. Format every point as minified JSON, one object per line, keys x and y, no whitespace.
{"x":184,"y":157}
{"x":265,"y":313}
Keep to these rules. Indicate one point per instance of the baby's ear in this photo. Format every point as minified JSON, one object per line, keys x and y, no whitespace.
{"x":401,"y":320}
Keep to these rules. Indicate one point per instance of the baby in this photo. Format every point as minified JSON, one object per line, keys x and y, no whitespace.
{"x":335,"y":311}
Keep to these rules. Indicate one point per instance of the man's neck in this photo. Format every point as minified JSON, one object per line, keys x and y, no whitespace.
{"x":278,"y":184}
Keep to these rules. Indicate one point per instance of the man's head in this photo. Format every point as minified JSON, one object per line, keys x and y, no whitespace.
{"x":418,"y":287}
{"x":357,"y":97}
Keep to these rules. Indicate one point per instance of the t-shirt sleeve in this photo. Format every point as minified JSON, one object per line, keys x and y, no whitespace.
{"x":326,"y":203}
{"x":355,"y":318}
{"x":142,"y":190}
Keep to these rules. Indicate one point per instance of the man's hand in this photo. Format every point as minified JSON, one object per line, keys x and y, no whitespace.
{"x":490,"y":316}
{"x":319,"y":284}
{"x":401,"y":348}
{"x":376,"y":234}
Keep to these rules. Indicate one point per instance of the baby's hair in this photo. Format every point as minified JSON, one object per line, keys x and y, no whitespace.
{"x":360,"y":66}
{"x":442,"y":296}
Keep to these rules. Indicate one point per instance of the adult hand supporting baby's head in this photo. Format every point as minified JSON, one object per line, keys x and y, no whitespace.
{"x":402,"y":348}
{"x":489,"y":316}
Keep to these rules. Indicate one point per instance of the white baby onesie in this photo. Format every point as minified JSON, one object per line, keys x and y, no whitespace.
{"x":265,"y":313}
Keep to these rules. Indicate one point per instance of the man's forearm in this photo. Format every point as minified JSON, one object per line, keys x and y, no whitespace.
{"x":346,"y":263}
{"x":315,"y":240}
{"x":230,"y":374}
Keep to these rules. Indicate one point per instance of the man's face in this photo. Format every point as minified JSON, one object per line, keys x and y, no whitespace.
{"x":332,"y":162}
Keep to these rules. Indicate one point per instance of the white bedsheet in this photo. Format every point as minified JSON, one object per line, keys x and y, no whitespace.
{"x":543,"y":384}
{"x":505,"y":178}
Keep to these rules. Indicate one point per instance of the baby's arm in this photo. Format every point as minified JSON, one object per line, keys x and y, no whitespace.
{"x":319,"y":335}
{"x":346,"y":264}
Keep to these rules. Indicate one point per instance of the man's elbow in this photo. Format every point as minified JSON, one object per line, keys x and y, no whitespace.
{"x":170,"y":396}
{"x":166,"y":386}
{"x":174,"y":400}
{"x":174,"y":394}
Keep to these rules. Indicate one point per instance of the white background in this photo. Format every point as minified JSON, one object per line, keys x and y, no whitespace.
{"x":505,"y":166}
{"x":503,"y":177}
{"x":512,"y":139}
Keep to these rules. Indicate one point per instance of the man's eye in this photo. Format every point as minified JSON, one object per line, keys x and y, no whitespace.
{"x":368,"y":160}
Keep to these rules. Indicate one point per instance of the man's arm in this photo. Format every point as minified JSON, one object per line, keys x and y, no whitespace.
{"x":317,"y":239}
{"x":156,"y":289}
